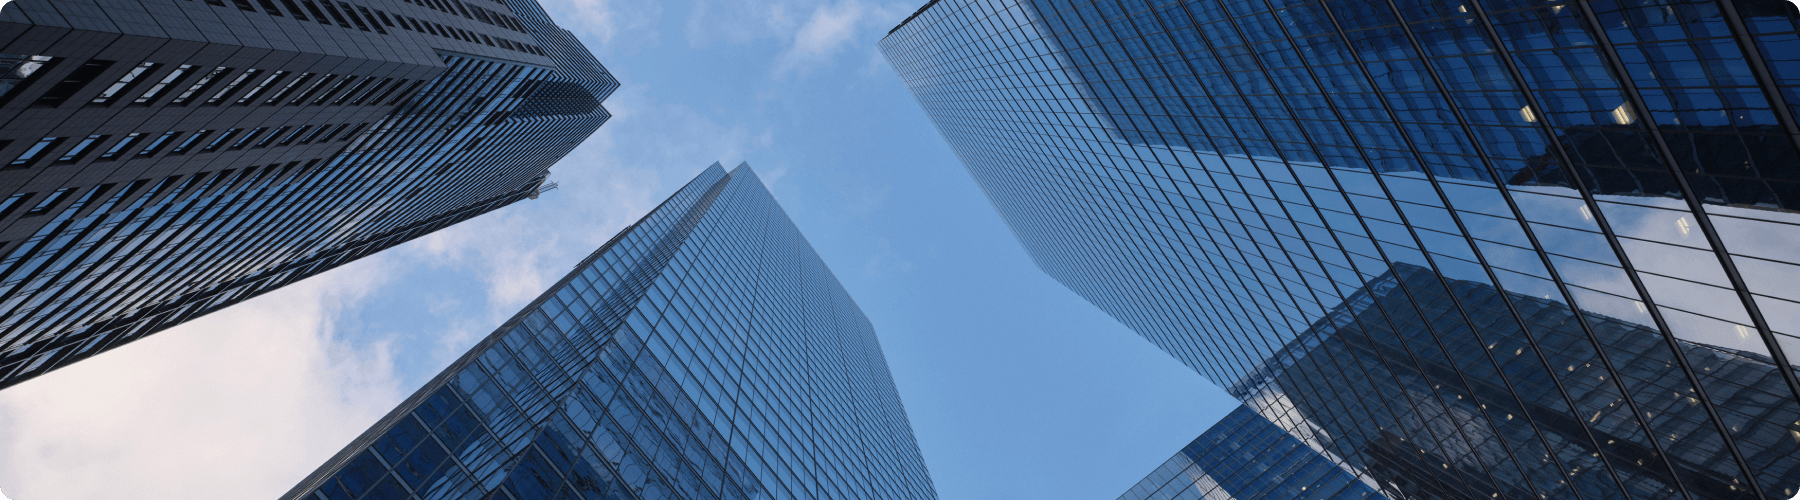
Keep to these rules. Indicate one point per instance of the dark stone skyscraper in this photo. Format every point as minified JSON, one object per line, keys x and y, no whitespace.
{"x":166,"y":158}
{"x":1473,"y":248}
{"x":706,"y":352}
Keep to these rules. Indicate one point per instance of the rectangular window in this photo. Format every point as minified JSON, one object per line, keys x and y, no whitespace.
{"x":403,"y":24}
{"x":81,"y":149}
{"x":199,"y":88}
{"x":336,"y":15}
{"x":384,"y":17}
{"x":353,"y":91}
{"x":309,"y":137}
{"x":50,"y":202}
{"x":314,"y":89}
{"x":294,"y":9}
{"x":73,"y":83}
{"x":289,"y":89}
{"x":407,"y":93}
{"x":18,"y":72}
{"x":189,"y":143}
{"x":244,"y":5}
{"x":35,"y":152}
{"x":352,"y":133}
{"x":390,"y":91}
{"x":317,"y":14}
{"x":269,"y":6}
{"x":350,"y":12}
{"x":174,"y":78}
{"x":13,"y":203}
{"x":250,"y":97}
{"x":326,"y":96}
{"x":371,"y":17}
{"x":334,"y":133}
{"x":290,"y":138}
{"x":489,"y":41}
{"x":272,"y":137}
{"x":221,"y":141}
{"x":232,"y":88}
{"x":372,"y":91}
{"x":249,"y":137}
{"x":433,"y":28}
{"x":120,"y":148}
{"x":158,"y":143}
{"x":124,"y":85}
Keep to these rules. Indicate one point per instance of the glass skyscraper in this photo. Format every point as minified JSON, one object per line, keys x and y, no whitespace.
{"x":167,"y":158}
{"x":1468,"y":249}
{"x":705,"y":352}
{"x":1246,"y":457}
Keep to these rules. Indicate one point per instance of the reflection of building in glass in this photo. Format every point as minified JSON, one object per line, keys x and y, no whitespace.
{"x":163,"y":162}
{"x":1244,"y":457}
{"x":1225,"y":175}
{"x":704,"y":353}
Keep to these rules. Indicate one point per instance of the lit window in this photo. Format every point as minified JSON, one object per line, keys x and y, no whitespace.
{"x":120,"y":148}
{"x":131,"y":79}
{"x":181,"y":72}
{"x":81,"y":149}
{"x":35,"y":152}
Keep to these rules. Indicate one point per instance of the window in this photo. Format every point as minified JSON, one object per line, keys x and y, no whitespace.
{"x":352,"y":132}
{"x":50,"y":202}
{"x":120,"y":148}
{"x":372,"y":90}
{"x":221,"y":141}
{"x":309,"y":137}
{"x":289,"y":89}
{"x":353,"y":91}
{"x":326,"y":96}
{"x":35,"y":152}
{"x":317,"y":14}
{"x":408,"y":92}
{"x":384,"y":17}
{"x":13,"y":203}
{"x":82,"y":148}
{"x":371,"y":17}
{"x":269,"y":6}
{"x":250,"y":97}
{"x":489,"y":41}
{"x":158,"y":143}
{"x":290,"y":137}
{"x":175,"y":77}
{"x":336,"y":15}
{"x":232,"y":88}
{"x":189,"y":143}
{"x":384,"y":95}
{"x":313,"y":89}
{"x":18,"y":72}
{"x":294,"y":9}
{"x":244,"y":5}
{"x":249,"y":137}
{"x":200,"y":87}
{"x":73,"y":83}
{"x":272,"y":136}
{"x":350,"y":12}
{"x":131,"y":79}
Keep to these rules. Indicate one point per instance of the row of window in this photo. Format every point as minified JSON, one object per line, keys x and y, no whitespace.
{"x":346,"y":14}
{"x":277,"y":136}
{"x":306,"y":88}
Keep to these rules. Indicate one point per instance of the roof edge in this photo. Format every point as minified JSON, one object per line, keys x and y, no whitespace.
{"x":914,"y":14}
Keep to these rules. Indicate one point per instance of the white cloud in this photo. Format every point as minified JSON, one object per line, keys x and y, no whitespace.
{"x":810,"y":33}
{"x":238,"y":404}
{"x":632,"y":22}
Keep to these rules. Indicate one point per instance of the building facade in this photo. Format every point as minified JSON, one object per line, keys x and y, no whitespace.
{"x":167,"y":158}
{"x":1246,"y":457}
{"x":1556,"y":230}
{"x":705,"y":352}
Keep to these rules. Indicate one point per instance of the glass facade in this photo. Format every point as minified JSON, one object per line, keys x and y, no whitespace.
{"x":704,"y":353}
{"x":1473,"y":249}
{"x":157,"y":172}
{"x":1245,"y":457}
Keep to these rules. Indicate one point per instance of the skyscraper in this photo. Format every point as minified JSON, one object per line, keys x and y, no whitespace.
{"x":1544,"y":244}
{"x":167,"y":158}
{"x":1245,"y":457}
{"x":704,"y":352}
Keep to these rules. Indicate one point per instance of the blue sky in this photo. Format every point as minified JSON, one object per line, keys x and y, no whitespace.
{"x":1015,"y":387}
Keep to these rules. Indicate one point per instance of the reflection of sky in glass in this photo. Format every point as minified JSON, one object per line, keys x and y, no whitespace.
{"x":1228,"y":177}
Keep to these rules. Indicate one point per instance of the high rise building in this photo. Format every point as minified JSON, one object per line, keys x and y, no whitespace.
{"x":167,"y":158}
{"x":1472,"y":249}
{"x":705,"y":352}
{"x":1246,"y":457}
